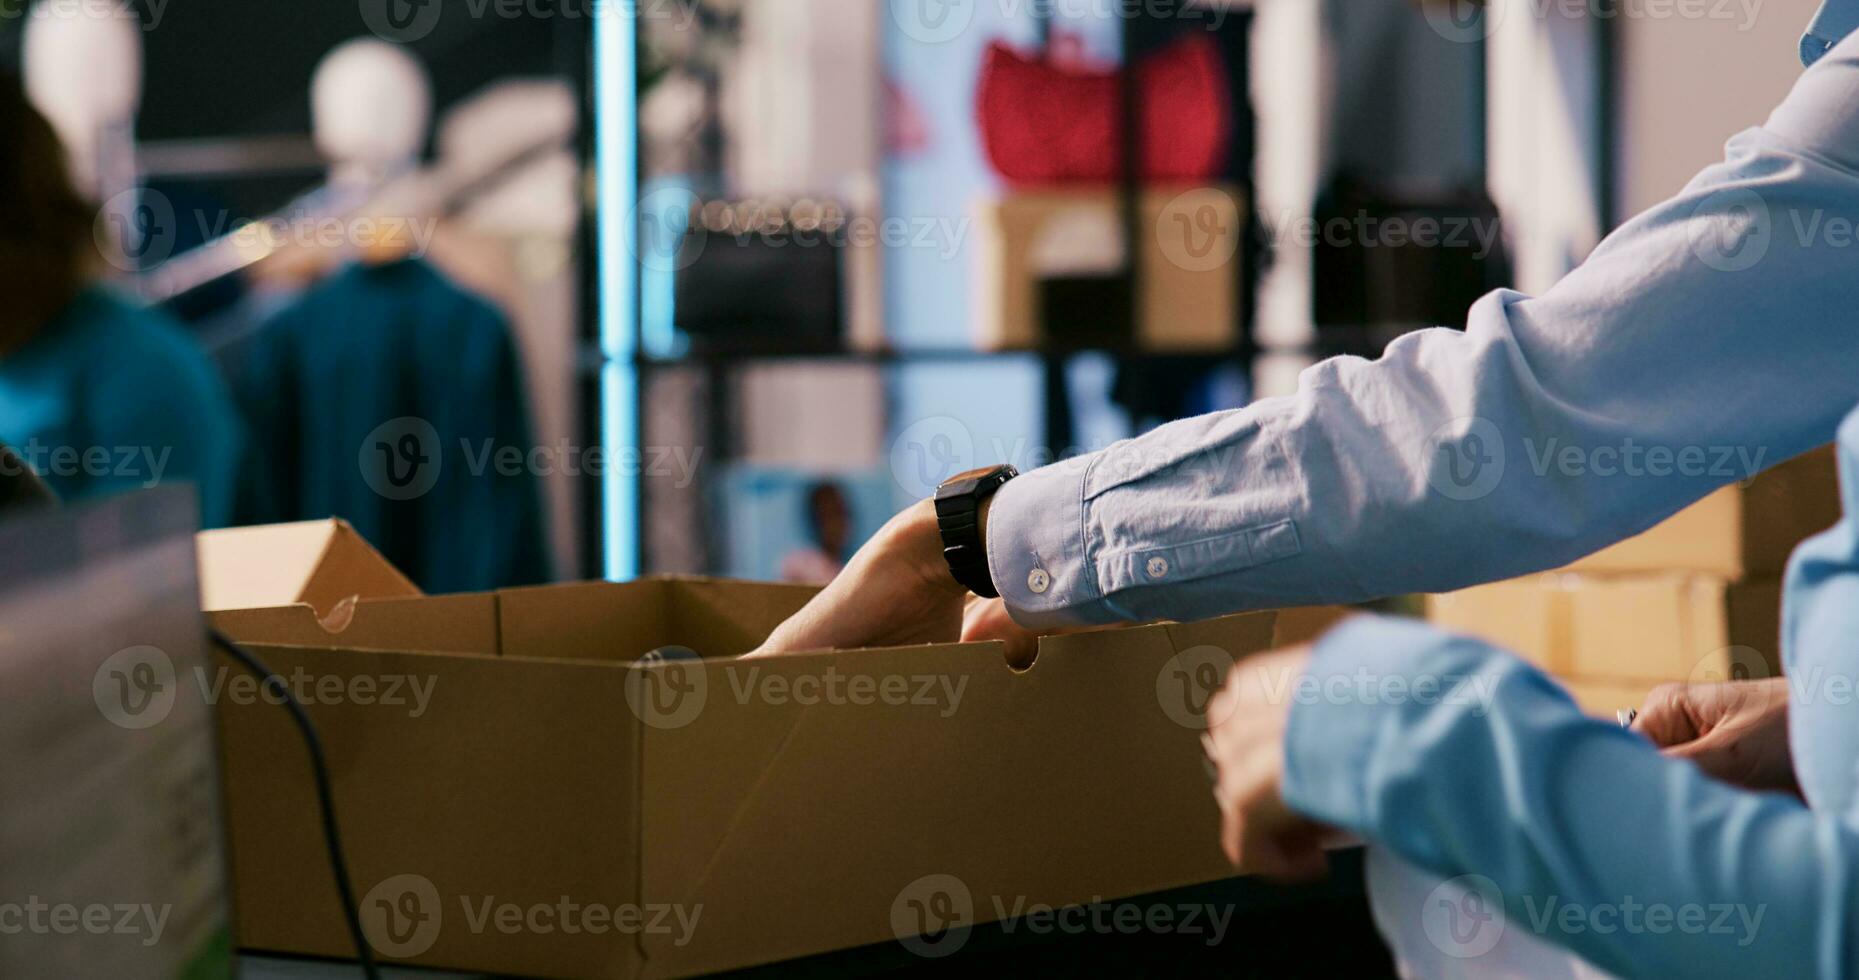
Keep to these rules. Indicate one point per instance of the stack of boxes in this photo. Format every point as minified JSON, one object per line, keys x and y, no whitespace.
{"x":1697,"y":598}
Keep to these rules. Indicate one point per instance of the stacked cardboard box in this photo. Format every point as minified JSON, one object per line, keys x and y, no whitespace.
{"x":1697,"y":598}
{"x":1188,"y":255}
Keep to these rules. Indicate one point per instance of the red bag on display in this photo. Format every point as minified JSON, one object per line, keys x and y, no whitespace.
{"x":1043,"y":122}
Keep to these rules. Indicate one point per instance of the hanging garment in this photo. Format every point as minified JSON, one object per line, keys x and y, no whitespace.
{"x":110,"y":397}
{"x":391,"y":398}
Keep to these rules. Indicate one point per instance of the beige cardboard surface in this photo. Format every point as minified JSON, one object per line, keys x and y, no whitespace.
{"x":319,"y":563}
{"x":1189,"y":298}
{"x":1668,"y":627}
{"x":790,"y":819}
{"x":1737,"y":532}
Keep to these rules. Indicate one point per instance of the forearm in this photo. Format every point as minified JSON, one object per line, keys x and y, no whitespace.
{"x":1508,"y":781}
{"x":1706,"y":339}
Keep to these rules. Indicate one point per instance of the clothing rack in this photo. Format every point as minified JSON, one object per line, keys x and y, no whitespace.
{"x":238,"y":250}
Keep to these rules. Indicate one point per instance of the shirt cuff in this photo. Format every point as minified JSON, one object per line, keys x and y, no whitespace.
{"x":1038,"y":553}
{"x":1365,"y":680}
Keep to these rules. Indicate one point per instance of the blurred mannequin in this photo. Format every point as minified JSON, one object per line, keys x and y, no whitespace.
{"x":98,"y":395}
{"x":371,"y":108}
{"x":403,"y":342}
{"x":83,"y":71}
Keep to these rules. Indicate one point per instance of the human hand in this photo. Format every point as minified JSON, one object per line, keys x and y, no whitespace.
{"x":1246,"y":741}
{"x":896,"y":591}
{"x":1735,"y":731}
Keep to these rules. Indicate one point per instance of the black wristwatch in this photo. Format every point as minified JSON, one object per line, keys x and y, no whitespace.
{"x":958,"y":517}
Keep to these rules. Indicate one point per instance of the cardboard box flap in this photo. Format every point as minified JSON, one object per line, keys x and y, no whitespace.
{"x":623,"y":621}
{"x":318,"y":563}
{"x":428,"y":624}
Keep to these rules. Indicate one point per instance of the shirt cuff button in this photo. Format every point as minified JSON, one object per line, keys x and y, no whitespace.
{"x":1157,"y":567}
{"x":1038,"y":581}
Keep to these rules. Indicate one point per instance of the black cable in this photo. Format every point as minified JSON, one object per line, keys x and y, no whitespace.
{"x":324,"y":797}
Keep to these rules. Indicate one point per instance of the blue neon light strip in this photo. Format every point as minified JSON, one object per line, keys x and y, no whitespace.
{"x":616,"y":144}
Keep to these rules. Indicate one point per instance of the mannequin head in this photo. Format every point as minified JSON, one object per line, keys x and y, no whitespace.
{"x":370,"y":107}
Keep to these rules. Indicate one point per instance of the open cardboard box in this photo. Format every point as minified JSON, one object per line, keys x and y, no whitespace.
{"x":733,"y":812}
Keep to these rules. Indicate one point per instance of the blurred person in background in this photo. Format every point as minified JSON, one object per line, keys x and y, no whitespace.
{"x":99,"y":395}
{"x":829,"y":516}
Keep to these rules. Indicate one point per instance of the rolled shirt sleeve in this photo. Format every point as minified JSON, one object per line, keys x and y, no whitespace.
{"x":1468,"y":762}
{"x":1705,"y":340}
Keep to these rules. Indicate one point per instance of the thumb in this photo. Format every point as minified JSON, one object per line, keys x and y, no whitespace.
{"x":987,"y":620}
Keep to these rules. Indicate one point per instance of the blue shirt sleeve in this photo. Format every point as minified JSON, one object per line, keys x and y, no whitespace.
{"x":1705,"y":340}
{"x":1466,"y":761}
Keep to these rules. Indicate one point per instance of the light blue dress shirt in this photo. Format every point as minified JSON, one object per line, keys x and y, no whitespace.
{"x":1711,"y":337}
{"x":1714,"y":336}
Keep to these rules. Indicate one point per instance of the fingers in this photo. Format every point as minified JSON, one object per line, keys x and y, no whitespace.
{"x":1669,"y":716}
{"x":987,"y":619}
